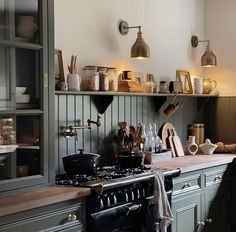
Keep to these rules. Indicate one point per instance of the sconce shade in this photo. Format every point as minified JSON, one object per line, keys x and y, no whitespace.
{"x":208,"y":59}
{"x":140,"y":49}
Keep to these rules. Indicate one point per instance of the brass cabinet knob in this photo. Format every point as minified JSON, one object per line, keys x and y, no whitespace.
{"x":71,"y":217}
{"x":218,"y":177}
{"x":187,"y":185}
{"x":209,"y":220}
{"x":201,"y":223}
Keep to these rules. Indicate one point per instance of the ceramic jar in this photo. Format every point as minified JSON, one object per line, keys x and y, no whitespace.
{"x":191,"y":146}
{"x":73,"y":81}
{"x":26,"y":27}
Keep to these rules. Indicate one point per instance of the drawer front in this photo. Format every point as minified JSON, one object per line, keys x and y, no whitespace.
{"x":215,"y":176}
{"x":59,"y":219}
{"x":187,"y":182}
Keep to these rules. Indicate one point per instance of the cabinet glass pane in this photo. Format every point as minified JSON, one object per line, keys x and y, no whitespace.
{"x":20,"y":20}
{"x":27,"y":20}
{"x":27,"y":76}
{"x":19,"y":78}
{"x":20,"y":153}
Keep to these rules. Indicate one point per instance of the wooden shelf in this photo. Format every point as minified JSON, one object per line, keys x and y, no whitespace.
{"x":109,"y":93}
{"x":102,"y":100}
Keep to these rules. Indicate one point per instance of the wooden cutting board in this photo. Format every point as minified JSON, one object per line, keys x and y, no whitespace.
{"x":177,"y":144}
{"x":164,"y":133}
{"x":170,"y":143}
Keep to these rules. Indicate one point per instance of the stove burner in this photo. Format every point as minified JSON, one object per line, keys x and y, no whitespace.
{"x":103,"y":174}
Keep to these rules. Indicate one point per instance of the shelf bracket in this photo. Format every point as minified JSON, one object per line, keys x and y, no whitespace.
{"x":102,"y":102}
{"x":159,"y":102}
{"x":201,"y":102}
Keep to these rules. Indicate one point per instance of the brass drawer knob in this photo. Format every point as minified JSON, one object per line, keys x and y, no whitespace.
{"x":187,"y":185}
{"x":218,"y":177}
{"x":71,"y":217}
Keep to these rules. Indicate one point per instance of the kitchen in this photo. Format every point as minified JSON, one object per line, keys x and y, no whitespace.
{"x":90,"y":30}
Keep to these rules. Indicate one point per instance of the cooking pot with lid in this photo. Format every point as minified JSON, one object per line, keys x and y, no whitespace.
{"x":82,"y":163}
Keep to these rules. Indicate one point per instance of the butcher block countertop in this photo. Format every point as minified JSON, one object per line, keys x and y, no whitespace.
{"x":41,"y":197}
{"x":195,"y":162}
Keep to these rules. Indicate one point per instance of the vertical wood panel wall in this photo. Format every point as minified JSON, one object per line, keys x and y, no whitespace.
{"x":132,"y":109}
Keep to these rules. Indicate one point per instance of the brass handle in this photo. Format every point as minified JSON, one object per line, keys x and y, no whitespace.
{"x":209,"y":220}
{"x":45,"y":80}
{"x":218,"y":177}
{"x":201,"y":223}
{"x":71,"y":217}
{"x":187,"y":185}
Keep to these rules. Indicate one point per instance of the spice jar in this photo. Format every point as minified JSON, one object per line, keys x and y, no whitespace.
{"x":103,"y":79}
{"x":113,"y":79}
{"x":91,"y":78}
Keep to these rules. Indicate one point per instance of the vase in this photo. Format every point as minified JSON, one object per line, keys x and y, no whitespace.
{"x":191,"y":146}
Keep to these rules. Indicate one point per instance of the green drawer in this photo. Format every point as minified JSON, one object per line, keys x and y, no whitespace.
{"x":187,"y":182}
{"x":58,"y":217}
{"x":215,"y":175}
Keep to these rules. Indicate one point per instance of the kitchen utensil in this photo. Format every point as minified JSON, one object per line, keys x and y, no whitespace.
{"x":177,"y":144}
{"x":82,"y":163}
{"x":164,"y":133}
{"x":170,"y":143}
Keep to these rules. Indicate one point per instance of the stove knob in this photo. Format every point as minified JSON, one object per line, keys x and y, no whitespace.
{"x":132,"y":195}
{"x":113,"y":199}
{"x":101,"y":204}
{"x":108,"y":202}
{"x":126,"y":197}
{"x":138,"y":194}
{"x":143,"y":192}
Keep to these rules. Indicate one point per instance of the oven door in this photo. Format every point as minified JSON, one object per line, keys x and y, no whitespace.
{"x":128,"y":217}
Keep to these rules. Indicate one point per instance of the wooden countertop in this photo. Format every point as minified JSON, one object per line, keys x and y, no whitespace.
{"x":41,"y":197}
{"x":195,"y":162}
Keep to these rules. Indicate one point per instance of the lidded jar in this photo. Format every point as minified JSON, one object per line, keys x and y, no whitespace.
{"x":113,"y":79}
{"x":91,"y":78}
{"x":103,"y":79}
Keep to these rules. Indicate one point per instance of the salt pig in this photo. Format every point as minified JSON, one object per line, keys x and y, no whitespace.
{"x":207,"y":148}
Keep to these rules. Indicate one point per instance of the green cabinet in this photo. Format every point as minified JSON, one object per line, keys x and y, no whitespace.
{"x":65,"y":216}
{"x":26,"y":93}
{"x":201,"y":201}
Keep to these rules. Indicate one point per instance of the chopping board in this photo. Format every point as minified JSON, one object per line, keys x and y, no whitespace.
{"x":171,"y":140}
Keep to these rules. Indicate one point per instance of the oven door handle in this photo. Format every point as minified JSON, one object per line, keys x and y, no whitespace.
{"x":134,"y":207}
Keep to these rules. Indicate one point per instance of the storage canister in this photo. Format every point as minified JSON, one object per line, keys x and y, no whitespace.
{"x":103,"y":79}
{"x":197,"y":130}
{"x":91,"y":78}
{"x":113,"y":79}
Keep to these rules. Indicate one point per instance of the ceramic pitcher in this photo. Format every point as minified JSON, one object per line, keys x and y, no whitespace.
{"x":208,"y":85}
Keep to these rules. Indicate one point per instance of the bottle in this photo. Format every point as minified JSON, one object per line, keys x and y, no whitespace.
{"x":158,"y":142}
{"x":151,"y":139}
{"x":144,"y":135}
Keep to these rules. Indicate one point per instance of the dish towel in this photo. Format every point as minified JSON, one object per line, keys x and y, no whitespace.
{"x":162,"y":210}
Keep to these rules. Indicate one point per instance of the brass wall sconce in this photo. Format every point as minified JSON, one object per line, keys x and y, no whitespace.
{"x":208,"y":59}
{"x":140,"y":49}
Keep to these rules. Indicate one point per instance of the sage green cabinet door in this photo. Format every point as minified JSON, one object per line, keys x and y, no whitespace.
{"x":187,"y":212}
{"x":216,"y":213}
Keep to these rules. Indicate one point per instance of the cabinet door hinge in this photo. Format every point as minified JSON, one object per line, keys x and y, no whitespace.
{"x":45,"y":80}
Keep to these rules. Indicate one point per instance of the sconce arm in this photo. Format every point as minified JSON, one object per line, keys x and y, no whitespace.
{"x":124,"y":28}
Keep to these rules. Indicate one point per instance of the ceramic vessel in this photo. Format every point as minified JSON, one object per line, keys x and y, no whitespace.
{"x":26,"y":27}
{"x":207,"y":148}
{"x":191,"y":146}
{"x":74,"y":82}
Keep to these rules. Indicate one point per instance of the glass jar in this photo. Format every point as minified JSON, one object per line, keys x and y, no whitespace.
{"x":103,"y":79}
{"x":90,"y":79}
{"x":113,"y":79}
{"x":12,"y":137}
{"x":149,"y":84}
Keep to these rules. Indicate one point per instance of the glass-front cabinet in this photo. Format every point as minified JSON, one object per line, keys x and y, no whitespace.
{"x":24,"y":89}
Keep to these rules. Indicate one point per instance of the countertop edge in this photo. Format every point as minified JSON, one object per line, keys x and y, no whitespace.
{"x":16,"y":203}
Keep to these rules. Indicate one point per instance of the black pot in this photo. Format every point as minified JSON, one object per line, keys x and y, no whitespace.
{"x":83,"y":163}
{"x":130,"y":160}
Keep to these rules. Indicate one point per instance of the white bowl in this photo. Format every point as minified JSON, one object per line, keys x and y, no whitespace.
{"x":22,"y":98}
{"x":20,"y":90}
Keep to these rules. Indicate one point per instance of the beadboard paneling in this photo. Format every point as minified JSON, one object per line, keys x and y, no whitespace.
{"x":133,"y":109}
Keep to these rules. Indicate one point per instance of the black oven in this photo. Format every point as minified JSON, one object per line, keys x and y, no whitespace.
{"x":122,"y":209}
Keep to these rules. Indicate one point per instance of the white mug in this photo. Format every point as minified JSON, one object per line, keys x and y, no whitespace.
{"x":74,"y":82}
{"x":198,"y":85}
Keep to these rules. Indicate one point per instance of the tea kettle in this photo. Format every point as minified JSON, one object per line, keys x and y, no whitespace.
{"x":208,"y":85}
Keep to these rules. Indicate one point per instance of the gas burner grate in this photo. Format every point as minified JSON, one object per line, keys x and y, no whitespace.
{"x":107,"y":173}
